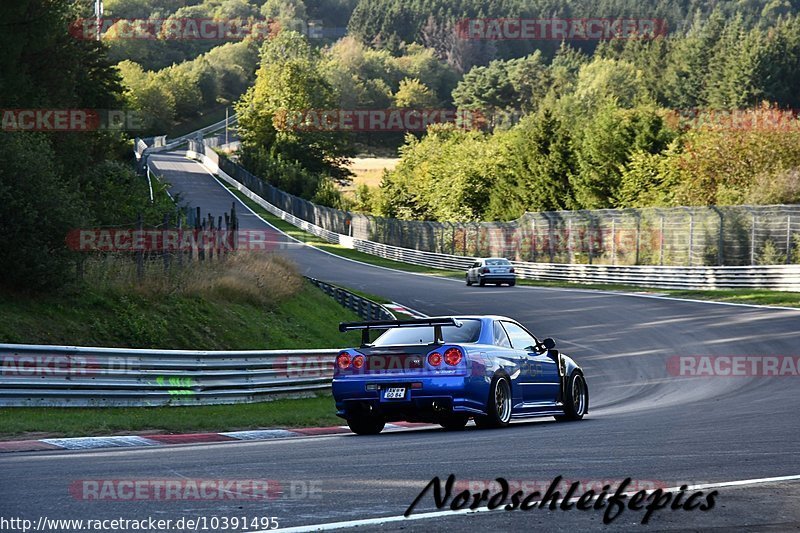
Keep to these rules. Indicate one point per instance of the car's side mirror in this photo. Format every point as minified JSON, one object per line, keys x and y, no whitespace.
{"x":549,"y":343}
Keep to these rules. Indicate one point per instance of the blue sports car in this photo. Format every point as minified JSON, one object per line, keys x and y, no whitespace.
{"x":447,"y":370}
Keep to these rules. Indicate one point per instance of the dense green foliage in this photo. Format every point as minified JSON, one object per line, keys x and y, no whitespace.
{"x":390,"y":23}
{"x":179,"y":92}
{"x":317,"y":18}
{"x":53,"y":182}
{"x":576,"y":125}
{"x":295,"y":77}
{"x":686,"y":120}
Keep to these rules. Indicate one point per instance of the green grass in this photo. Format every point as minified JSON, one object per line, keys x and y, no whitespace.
{"x":38,"y":422}
{"x":125,"y":319}
{"x":335,"y":248}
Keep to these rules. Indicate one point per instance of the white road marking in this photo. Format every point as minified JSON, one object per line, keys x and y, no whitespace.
{"x":441,"y":514}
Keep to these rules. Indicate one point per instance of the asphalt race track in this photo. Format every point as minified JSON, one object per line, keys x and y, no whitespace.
{"x":644,"y":422}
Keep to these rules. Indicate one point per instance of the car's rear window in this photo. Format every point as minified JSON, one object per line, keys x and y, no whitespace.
{"x":497,"y":262}
{"x":469,"y":332}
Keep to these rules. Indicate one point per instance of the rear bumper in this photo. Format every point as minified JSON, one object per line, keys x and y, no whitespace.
{"x":434,"y":399}
{"x":502,"y":278}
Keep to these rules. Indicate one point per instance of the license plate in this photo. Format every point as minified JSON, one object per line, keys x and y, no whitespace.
{"x":394,"y":393}
{"x":498,"y":271}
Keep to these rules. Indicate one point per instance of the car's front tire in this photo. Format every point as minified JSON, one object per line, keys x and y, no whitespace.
{"x":482,"y":282}
{"x":365,"y":425}
{"x":469,"y":281}
{"x":498,"y":408}
{"x":576,"y":399}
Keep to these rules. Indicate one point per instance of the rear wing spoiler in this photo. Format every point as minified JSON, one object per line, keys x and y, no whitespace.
{"x":435,"y":322}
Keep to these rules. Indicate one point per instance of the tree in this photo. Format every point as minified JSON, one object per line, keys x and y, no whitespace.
{"x":605,"y":147}
{"x":414,"y":94}
{"x":541,"y":163}
{"x":272,"y":114}
{"x":603,"y":80}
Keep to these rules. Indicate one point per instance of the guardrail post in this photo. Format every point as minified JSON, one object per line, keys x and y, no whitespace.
{"x":721,"y":240}
{"x":661,"y":243}
{"x":139,"y":253}
{"x":217,"y":241}
{"x":164,"y":253}
{"x":180,"y":240}
{"x":753,"y":240}
{"x":691,"y":239}
{"x":570,"y":251}
{"x":613,"y":241}
{"x":638,"y":215}
{"x":201,"y":253}
{"x":788,"y":239}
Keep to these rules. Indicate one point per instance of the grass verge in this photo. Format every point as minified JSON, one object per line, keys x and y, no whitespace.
{"x":244,"y":302}
{"x":38,"y":422}
{"x":206,"y":307}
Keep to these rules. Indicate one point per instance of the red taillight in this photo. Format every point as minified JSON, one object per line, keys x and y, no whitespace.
{"x":453,"y":356}
{"x":358,"y":361}
{"x":343,"y":360}
{"x":485,"y":270}
{"x":511,"y":270}
{"x":435,"y":359}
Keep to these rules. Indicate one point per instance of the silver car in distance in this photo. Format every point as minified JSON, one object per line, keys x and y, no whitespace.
{"x":495,"y":270}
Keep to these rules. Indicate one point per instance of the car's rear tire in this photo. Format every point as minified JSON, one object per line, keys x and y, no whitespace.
{"x":454,"y":422}
{"x":498,"y":408}
{"x":576,"y":399}
{"x":512,"y":283}
{"x":469,"y":281}
{"x":482,"y":282}
{"x":366,"y":425}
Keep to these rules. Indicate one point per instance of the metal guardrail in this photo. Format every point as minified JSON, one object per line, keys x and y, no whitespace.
{"x":363,"y":307}
{"x":159,"y":144}
{"x":71,"y":376}
{"x":776,"y":277}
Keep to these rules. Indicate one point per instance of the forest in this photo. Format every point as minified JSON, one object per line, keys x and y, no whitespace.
{"x":704,"y":114}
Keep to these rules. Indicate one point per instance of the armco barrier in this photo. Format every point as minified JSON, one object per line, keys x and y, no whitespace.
{"x":70,"y":376}
{"x":775,"y":277}
{"x":363,"y":307}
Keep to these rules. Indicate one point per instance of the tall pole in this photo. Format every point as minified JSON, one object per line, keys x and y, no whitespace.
{"x":98,"y":14}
